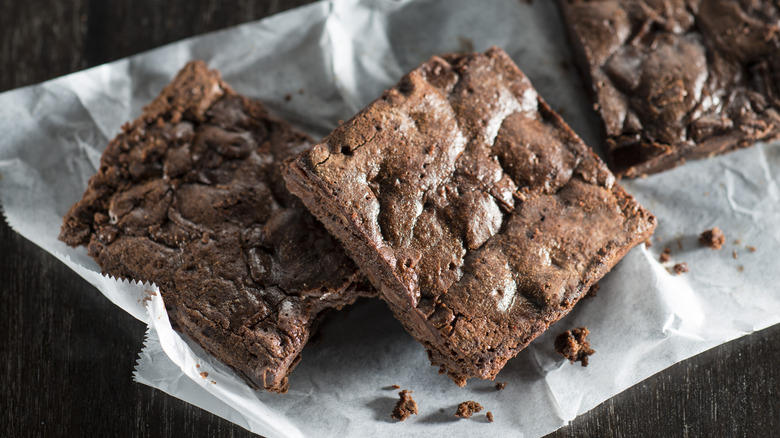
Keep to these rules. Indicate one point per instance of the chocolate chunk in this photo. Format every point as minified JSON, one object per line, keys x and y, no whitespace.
{"x":190,"y":197}
{"x":713,"y":238}
{"x":478,"y":212}
{"x":405,"y":407}
{"x":500,"y":386}
{"x":678,"y":80}
{"x":467,"y":409}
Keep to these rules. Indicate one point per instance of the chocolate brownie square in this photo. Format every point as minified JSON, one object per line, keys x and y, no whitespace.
{"x":476,"y":211}
{"x":681,"y":79}
{"x":190,"y":196}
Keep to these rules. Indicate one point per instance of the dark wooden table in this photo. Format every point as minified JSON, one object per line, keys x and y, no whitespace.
{"x":67,"y":353}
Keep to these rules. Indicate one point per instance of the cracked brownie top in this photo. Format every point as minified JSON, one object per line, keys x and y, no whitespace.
{"x":190,"y":196}
{"x":679,"y":79}
{"x":480,"y":216}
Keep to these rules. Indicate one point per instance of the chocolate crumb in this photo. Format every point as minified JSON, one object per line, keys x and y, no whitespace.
{"x":489,"y":416}
{"x":287,"y":97}
{"x":500,"y":386}
{"x":593,"y":291}
{"x":713,"y":238}
{"x":573,"y":345}
{"x":734,"y":254}
{"x":405,"y":406}
{"x":680,"y":268}
{"x":467,"y":409}
{"x":751,"y":248}
{"x":666,"y":255}
{"x":648,"y":243}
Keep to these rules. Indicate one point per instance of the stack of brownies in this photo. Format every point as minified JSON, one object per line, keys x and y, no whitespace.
{"x":459,"y":197}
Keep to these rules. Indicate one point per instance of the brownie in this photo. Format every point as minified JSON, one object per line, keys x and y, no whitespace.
{"x":478,"y":214}
{"x":678,"y":79}
{"x":574,"y":345}
{"x":190,"y":196}
{"x":467,"y":409}
{"x":405,"y":407}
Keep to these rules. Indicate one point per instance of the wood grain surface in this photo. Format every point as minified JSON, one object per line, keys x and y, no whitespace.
{"x":67,"y":353}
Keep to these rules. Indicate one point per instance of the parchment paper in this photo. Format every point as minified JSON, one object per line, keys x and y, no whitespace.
{"x":331,"y":59}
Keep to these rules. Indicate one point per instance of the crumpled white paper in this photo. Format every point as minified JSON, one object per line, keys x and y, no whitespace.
{"x":320,"y":64}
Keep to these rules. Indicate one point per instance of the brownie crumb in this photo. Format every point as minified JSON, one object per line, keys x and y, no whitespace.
{"x":666,"y":255}
{"x":467,"y":409}
{"x":751,"y":248}
{"x":500,"y":386}
{"x":395,"y":387}
{"x":713,"y":238}
{"x":593,"y":291}
{"x":573,"y":345}
{"x":405,"y":406}
{"x":680,"y":268}
{"x":648,"y":243}
{"x":489,"y":416}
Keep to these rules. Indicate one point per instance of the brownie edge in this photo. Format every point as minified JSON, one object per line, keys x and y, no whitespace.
{"x":477,"y":213}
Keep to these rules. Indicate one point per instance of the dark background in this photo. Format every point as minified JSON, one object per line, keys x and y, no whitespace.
{"x":67,"y":354}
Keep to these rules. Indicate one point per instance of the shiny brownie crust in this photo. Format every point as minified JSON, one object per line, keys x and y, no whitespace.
{"x":678,"y":79}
